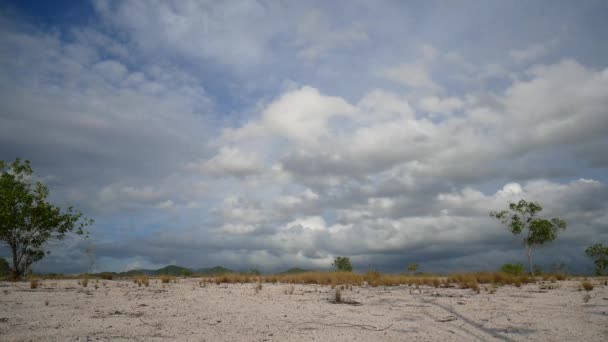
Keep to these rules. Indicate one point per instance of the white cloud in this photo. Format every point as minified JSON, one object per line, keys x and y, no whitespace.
{"x":311,"y":222}
{"x":232,"y":161}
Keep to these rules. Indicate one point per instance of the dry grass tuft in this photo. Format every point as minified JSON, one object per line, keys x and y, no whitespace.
{"x":338,"y":296}
{"x":586,"y":285}
{"x":258,"y":287}
{"x":165,"y":279}
{"x":289,"y":290}
{"x":143,"y":280}
{"x":34,"y":283}
{"x":84,"y":282}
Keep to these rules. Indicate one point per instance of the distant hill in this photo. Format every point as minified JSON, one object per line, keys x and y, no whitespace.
{"x":295,"y":270}
{"x":173,"y":270}
{"x":213,"y":270}
{"x":137,"y":272}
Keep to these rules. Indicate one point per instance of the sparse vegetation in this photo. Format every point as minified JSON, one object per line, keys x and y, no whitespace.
{"x":85,"y":281}
{"x":34,"y":282}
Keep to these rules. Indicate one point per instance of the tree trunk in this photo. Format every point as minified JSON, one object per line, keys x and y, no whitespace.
{"x":16,"y":273}
{"x":530,"y":260}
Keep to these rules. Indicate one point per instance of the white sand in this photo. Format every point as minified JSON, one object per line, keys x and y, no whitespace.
{"x":120,"y":310}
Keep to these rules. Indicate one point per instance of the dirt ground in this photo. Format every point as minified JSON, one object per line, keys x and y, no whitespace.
{"x":119,"y":310}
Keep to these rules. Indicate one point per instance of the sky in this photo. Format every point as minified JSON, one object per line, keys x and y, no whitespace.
{"x":278,"y":134}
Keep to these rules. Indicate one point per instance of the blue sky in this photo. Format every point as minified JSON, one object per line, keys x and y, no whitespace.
{"x":280,"y":134}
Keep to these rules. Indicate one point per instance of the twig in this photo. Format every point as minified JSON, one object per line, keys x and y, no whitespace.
{"x":449,"y":319}
{"x":346,"y":325}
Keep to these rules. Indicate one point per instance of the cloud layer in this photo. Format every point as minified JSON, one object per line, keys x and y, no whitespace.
{"x":261,"y":135}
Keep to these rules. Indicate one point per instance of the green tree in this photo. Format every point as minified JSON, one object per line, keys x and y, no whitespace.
{"x":343,"y":264}
{"x":4,"y":268}
{"x":27,"y":219}
{"x":599,"y":254}
{"x":412,"y":268}
{"x":522,"y":218}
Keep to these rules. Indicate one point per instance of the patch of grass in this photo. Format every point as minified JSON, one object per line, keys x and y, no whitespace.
{"x":546,"y":286}
{"x":85,"y":281}
{"x":34,"y":283}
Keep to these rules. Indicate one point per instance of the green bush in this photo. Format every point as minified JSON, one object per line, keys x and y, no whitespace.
{"x":343,"y":264}
{"x":513,"y":269}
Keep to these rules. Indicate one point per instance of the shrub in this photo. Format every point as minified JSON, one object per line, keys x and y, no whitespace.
{"x":34,"y":283}
{"x":85,"y":282}
{"x":587,"y":285}
{"x":107,"y":276}
{"x":343,"y":264}
{"x":513,"y":269}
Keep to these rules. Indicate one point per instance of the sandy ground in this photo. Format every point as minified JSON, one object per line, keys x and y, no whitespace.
{"x":119,"y":310}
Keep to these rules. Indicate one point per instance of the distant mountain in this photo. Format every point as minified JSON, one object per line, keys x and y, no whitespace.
{"x":173,"y":270}
{"x":294,"y":270}
{"x":214,"y":270}
{"x":137,"y":272}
